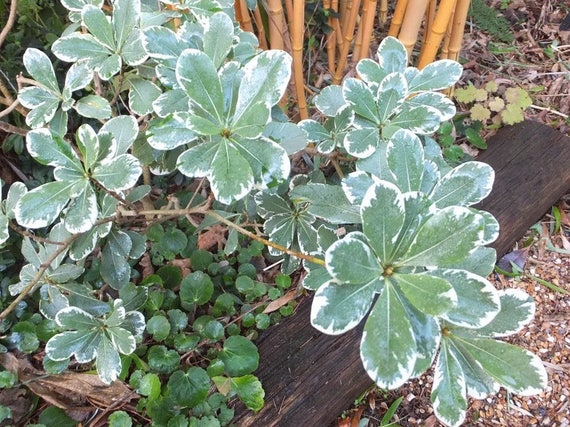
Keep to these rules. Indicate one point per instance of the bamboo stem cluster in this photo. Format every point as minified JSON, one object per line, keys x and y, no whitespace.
{"x":351,"y":24}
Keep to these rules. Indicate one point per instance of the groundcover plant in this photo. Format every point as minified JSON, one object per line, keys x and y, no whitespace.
{"x":157,"y":106}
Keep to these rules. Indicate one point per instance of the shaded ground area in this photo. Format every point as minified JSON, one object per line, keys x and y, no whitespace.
{"x":539,"y":61}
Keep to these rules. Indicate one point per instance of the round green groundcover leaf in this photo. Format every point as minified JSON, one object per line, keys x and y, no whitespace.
{"x":189,"y":388}
{"x":249,"y":390}
{"x":196,"y":289}
{"x":240,"y":356}
{"x":159,"y":327}
{"x":163,"y":360}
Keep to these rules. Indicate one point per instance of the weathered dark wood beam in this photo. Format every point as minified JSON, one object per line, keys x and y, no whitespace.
{"x":310,"y":378}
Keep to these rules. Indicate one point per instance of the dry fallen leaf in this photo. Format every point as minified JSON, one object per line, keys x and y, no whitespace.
{"x":213,"y":236}
{"x":280,"y":302}
{"x":76,"y":393}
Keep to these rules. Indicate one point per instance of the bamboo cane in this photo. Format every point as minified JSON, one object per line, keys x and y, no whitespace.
{"x":348,"y":34}
{"x":336,"y":25}
{"x":458,"y":28}
{"x":246,"y":23}
{"x":331,"y":36}
{"x":435,"y":36}
{"x":297,"y":31}
{"x":415,"y":12}
{"x":347,"y":12}
{"x":276,"y":30}
{"x":260,"y":28}
{"x":288,"y":11}
{"x":430,"y":16}
{"x":383,"y":13}
{"x":357,"y":39}
{"x":445,"y":46}
{"x":397,"y":18}
{"x":367,"y":25}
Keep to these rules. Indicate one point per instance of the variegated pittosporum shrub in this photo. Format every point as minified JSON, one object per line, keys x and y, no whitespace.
{"x":415,"y":269}
{"x":150,"y":99}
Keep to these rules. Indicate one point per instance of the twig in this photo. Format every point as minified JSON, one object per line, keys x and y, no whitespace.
{"x":43,"y":268}
{"x":45,"y":265}
{"x":32,"y":236}
{"x":10,"y":22}
{"x":12,"y":129}
{"x":13,"y":106}
{"x":8,"y":99}
{"x":266,"y":242}
{"x":558,"y":113}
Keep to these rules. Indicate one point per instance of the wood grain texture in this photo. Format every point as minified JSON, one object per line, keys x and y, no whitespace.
{"x":310,"y":378}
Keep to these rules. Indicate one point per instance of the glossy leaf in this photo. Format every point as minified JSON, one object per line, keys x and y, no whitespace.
{"x":218,"y":37}
{"x":93,"y":107}
{"x":359,"y":96}
{"x":405,"y":156}
{"x":517,"y":310}
{"x":392,"y":55}
{"x":340,"y":307}
{"x":119,"y":174}
{"x":240,"y":356}
{"x":515,"y":368}
{"x":142,"y":94}
{"x":196,"y":289}
{"x":382,"y":213}
{"x":51,"y":149}
{"x":39,"y":66}
{"x":197,"y":74}
{"x":391,"y":94}
{"x":41,"y":206}
{"x":250,"y":391}
{"x":327,"y":201}
{"x":449,"y":391}
{"x":388,"y":346}
{"x":429,"y":294}
{"x":190,"y":388}
{"x":477,"y":299}
{"x":264,"y":80}
{"x":464,"y":185}
{"x":436,"y":76}
{"x":447,"y":237}
{"x":330,"y":100}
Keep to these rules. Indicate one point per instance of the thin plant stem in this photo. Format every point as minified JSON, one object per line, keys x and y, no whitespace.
{"x":266,"y":242}
{"x":10,"y":22}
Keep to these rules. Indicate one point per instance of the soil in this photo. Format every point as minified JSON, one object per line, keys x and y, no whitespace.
{"x":539,"y":61}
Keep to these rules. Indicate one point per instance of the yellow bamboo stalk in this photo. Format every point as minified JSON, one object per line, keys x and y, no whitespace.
{"x":246,"y":23}
{"x":397,"y":18}
{"x":430,"y":16}
{"x":297,"y":31}
{"x":237,"y":12}
{"x":276,"y":27}
{"x":458,"y":28}
{"x":383,"y":13}
{"x":342,"y":10}
{"x":331,"y":37}
{"x":445,"y":46}
{"x":367,"y":25}
{"x":435,"y":36}
{"x":336,"y":26}
{"x":346,"y":12}
{"x":348,"y":34}
{"x":415,"y":12}
{"x":357,"y":39}
{"x":260,"y":28}
{"x":288,"y":10}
